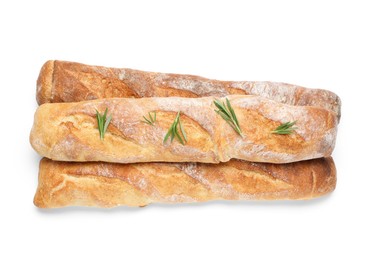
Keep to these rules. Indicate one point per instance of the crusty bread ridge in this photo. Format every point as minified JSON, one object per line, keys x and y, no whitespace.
{"x":69,"y":132}
{"x":62,"y":81}
{"x":64,"y":184}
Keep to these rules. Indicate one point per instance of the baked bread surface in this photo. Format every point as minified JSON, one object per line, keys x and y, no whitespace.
{"x":62,"y":81}
{"x":97,"y":184}
{"x":69,"y":132}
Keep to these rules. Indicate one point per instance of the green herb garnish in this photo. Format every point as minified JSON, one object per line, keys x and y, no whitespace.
{"x":151,"y":120}
{"x":228,"y":114}
{"x":285,"y":128}
{"x":103,"y":122}
{"x":177,"y":130}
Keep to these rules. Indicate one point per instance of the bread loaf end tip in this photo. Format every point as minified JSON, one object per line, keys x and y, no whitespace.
{"x":44,"y":82}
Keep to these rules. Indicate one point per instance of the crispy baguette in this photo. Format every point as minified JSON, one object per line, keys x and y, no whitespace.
{"x":61,"y":81}
{"x":109,"y":185}
{"x":68,"y":131}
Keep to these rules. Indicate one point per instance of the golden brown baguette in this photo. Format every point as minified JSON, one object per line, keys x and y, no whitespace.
{"x":68,"y":131}
{"x":61,"y":81}
{"x":108,"y":185}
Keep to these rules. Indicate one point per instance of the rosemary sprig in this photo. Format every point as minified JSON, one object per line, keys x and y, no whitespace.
{"x":177,"y":130}
{"x":285,"y":128}
{"x":103,"y":122}
{"x":228,"y":114}
{"x":151,"y":120}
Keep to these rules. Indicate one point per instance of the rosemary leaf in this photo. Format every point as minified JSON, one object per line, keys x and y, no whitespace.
{"x":182,"y":131}
{"x":151,"y":120}
{"x":285,"y":128}
{"x":232,"y":112}
{"x":174,"y":131}
{"x":179,"y":137}
{"x":108,"y":120}
{"x":146,"y":120}
{"x":167,"y":135}
{"x":103,"y":122}
{"x":105,"y":113}
{"x":172,"y":134}
{"x":228,"y":114}
{"x":224,"y":116}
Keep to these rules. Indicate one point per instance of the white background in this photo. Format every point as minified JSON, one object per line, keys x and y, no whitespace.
{"x":321,"y":44}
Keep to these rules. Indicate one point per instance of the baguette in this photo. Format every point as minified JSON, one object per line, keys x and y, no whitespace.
{"x":107,"y":185}
{"x":61,"y":81}
{"x":68,"y":131}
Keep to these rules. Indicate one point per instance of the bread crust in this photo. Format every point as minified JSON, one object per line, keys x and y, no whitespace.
{"x":108,"y":185}
{"x":45,"y":82}
{"x":68,"y":131}
{"x":74,"y":82}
